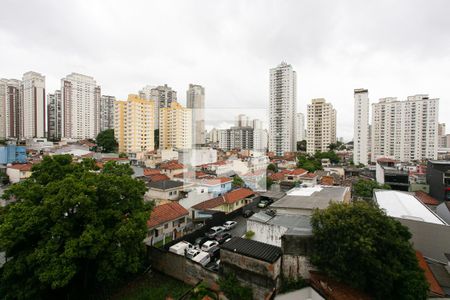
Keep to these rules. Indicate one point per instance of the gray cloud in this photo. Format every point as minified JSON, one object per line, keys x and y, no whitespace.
{"x":392,"y":48}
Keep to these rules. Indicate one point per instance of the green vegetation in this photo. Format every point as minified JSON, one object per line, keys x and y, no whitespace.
{"x":122,"y":155}
{"x":361,"y":246}
{"x":312,"y":163}
{"x":72,"y":232}
{"x":272,"y":167}
{"x":154,"y":286}
{"x":237,"y":181}
{"x":156,"y":138}
{"x":233,"y":289}
{"x":301,"y":145}
{"x":106,"y":141}
{"x":200,"y":291}
{"x":249,"y":235}
{"x":269,"y":183}
{"x":4,"y":178}
{"x":288,"y":285}
{"x":364,"y":188}
{"x":163,"y":242}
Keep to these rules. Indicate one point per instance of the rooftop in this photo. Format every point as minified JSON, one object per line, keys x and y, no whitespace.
{"x":298,"y":224}
{"x":405,"y":205}
{"x":165,"y":185}
{"x":311,"y":197}
{"x":254,"y":249}
{"x":166,"y":212}
{"x":426,"y":199}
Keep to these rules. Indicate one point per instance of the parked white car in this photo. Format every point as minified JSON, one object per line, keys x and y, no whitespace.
{"x":209,"y":244}
{"x":229,"y":225}
{"x":202,"y":258}
{"x":192,"y":252}
{"x":181,"y":247}
{"x":213,"y":231}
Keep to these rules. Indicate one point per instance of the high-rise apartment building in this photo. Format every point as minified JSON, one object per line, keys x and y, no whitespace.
{"x":33,"y":106}
{"x":80,"y":96}
{"x":54,"y":118}
{"x":405,"y":130}
{"x":243,"y":121}
{"x":162,"y":95}
{"x":321,"y":126}
{"x":175,"y":127}
{"x":10,"y":108}
{"x":107,"y":112}
{"x":134,"y":121}
{"x":282,"y":109}
{"x":361,"y":127}
{"x":442,"y":138}
{"x":259,"y":136}
{"x":300,"y":127}
{"x":237,"y":138}
{"x":195,"y":100}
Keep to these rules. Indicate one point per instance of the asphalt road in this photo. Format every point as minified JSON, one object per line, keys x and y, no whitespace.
{"x":241,"y":227}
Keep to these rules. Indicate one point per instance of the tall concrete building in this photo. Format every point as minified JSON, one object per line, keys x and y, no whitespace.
{"x":107,"y":112}
{"x":405,"y":130}
{"x":162,"y":96}
{"x":361,"y":127}
{"x":134,"y":121}
{"x":175,"y":130}
{"x":282,"y":109}
{"x":33,"y":106}
{"x":10,"y":108}
{"x":243,"y":120}
{"x":54,"y":117}
{"x":259,"y":136}
{"x":237,"y":138}
{"x":80,"y":96}
{"x":213,"y":136}
{"x":195,"y":100}
{"x":321,"y":126}
{"x":300,"y":127}
{"x":442,"y":138}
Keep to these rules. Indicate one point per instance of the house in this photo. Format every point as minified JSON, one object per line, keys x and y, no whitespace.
{"x":158,"y":177}
{"x":166,"y":222}
{"x":388,"y":173}
{"x":18,"y":172}
{"x":438,"y":178}
{"x":303,"y":200}
{"x":309,"y":179}
{"x":172,"y":168}
{"x":255,"y":180}
{"x":148,"y":172}
{"x":216,"y":186}
{"x":168,"y":190}
{"x":226,"y":203}
{"x":294,"y":175}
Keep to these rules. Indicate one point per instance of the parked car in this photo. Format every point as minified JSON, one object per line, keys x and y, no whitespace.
{"x":248,"y":213}
{"x":200,"y":240}
{"x":213,"y":231}
{"x":202,"y":258}
{"x":229,"y":225}
{"x":181,"y":247}
{"x":263,"y":203}
{"x":223,"y":237}
{"x":209,"y":244}
{"x":192,"y":252}
{"x":214,"y":252}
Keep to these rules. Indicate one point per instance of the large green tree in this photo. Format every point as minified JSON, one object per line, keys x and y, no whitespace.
{"x":361,"y":246}
{"x":364,"y":188}
{"x":106,"y":141}
{"x":71,"y":230}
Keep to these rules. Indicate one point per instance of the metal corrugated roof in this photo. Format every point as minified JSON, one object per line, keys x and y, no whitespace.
{"x":254,"y":249}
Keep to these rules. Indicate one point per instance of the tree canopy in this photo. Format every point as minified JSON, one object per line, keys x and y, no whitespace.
{"x":71,"y":230}
{"x":106,"y":141}
{"x":272,"y":167}
{"x":309,"y":163}
{"x":361,"y":246}
{"x":301,"y":145}
{"x":238,"y":181}
{"x":364,"y":188}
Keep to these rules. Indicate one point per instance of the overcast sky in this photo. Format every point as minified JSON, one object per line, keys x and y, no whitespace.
{"x":392,"y":48}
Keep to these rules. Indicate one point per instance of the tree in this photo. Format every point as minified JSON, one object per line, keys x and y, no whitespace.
{"x":331,"y":155}
{"x":301,"y":145}
{"x":106,"y":141}
{"x":364,"y":188}
{"x":237,"y":181}
{"x":272,"y":167}
{"x":309,"y":163}
{"x":4,"y":178}
{"x":232,"y":288}
{"x":156,"y":138}
{"x":71,"y":231}
{"x":269,"y":183}
{"x":361,"y":246}
{"x":333,"y":146}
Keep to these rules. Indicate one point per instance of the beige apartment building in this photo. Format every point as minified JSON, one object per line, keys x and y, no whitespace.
{"x":175,"y":127}
{"x":134,"y":124}
{"x":321,"y":126}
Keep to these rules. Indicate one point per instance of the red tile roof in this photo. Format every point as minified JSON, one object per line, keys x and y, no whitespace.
{"x":298,"y":171}
{"x":215,"y":181}
{"x":209,"y":204}
{"x":234,"y":196}
{"x":148,"y":172}
{"x":158,"y":177}
{"x":425,"y":198}
{"x":198,"y":174}
{"x":171,"y":165}
{"x":21,"y":167}
{"x":434,"y":286}
{"x":166,"y":212}
{"x":106,"y":159}
{"x":277,"y":176}
{"x":386,"y":160}
{"x":309,"y":175}
{"x":327,"y":180}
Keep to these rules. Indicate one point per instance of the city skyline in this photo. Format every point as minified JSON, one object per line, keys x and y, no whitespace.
{"x":351,"y":52}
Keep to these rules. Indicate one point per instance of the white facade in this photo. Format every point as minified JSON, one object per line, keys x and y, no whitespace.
{"x":300,"y":127}
{"x":80,"y":107}
{"x":282,"y":109}
{"x":107,"y":112}
{"x":195,"y":100}
{"x":321,"y":126}
{"x":361,"y":127}
{"x":259,"y":137}
{"x":33,"y":106}
{"x":405,"y":130}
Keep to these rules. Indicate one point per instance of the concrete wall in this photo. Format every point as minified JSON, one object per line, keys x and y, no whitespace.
{"x":296,"y":267}
{"x":266,"y":233}
{"x":182,"y":268}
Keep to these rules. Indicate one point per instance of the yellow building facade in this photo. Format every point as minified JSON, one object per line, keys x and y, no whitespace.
{"x":175,"y":127}
{"x":134,"y":124}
